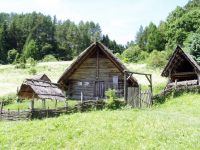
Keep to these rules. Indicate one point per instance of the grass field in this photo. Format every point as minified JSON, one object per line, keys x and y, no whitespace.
{"x":173,"y":125}
{"x":11,"y":78}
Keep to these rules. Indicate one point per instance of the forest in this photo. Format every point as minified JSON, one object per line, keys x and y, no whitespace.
{"x":34,"y":35}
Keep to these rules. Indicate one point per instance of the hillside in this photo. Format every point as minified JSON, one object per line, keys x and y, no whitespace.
{"x":173,"y":125}
{"x":11,"y":78}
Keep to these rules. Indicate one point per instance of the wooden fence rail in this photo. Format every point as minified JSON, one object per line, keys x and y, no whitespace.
{"x":46,"y":113}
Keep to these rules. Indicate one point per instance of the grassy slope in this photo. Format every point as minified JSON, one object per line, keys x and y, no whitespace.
{"x":173,"y":125}
{"x":11,"y":78}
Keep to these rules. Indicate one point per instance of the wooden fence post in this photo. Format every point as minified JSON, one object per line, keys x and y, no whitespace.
{"x":139,"y":96}
{"x":125,"y":87}
{"x":1,"y":106}
{"x":56,"y":104}
{"x":32,"y":104}
{"x":43,"y":103}
{"x":81,"y":97}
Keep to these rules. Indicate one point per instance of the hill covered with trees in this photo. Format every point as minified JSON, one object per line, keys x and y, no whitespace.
{"x":181,"y":27}
{"x":36,"y":35}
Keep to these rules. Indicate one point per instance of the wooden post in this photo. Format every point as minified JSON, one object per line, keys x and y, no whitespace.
{"x":32,"y":104}
{"x":125,"y":87}
{"x":56,"y":104}
{"x":198,"y":75}
{"x":66,"y":103}
{"x":43,"y":103}
{"x":47,"y":114}
{"x":175,"y":84}
{"x":139,"y":95}
{"x":1,"y":106}
{"x":81,"y":97}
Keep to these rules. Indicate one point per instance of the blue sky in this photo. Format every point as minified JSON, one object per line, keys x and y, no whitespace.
{"x":120,"y":19}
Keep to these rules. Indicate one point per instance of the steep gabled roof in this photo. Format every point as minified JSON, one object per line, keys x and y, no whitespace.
{"x":41,"y":77}
{"x":86,"y":53}
{"x":178,"y":51}
{"x":40,"y":89}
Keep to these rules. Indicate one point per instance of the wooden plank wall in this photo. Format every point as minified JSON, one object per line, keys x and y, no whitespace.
{"x":87,"y":72}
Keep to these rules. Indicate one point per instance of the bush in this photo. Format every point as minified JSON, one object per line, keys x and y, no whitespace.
{"x":20,"y":63}
{"x":8,"y":99}
{"x":118,"y":56}
{"x":12,"y":54}
{"x":112,"y":102}
{"x":131,"y":54}
{"x":32,"y":62}
{"x":157,"y":59}
{"x":20,"y":66}
{"x":49,"y":58}
{"x":32,"y":71}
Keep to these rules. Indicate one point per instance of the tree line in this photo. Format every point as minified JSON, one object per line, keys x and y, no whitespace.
{"x":181,"y":27}
{"x":34,"y":35}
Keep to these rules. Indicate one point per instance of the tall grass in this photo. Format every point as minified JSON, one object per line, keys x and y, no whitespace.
{"x":173,"y":125}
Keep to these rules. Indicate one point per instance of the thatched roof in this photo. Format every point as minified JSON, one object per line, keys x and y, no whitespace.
{"x":41,"y":77}
{"x":40,"y":89}
{"x":86,"y":53}
{"x":177,"y":57}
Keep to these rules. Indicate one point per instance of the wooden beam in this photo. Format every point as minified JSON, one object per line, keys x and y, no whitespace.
{"x":137,"y":73}
{"x":97,"y":64}
{"x":125,"y":87}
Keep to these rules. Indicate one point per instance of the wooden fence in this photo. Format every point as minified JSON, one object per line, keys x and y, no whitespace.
{"x":46,"y":113}
{"x":138,"y":98}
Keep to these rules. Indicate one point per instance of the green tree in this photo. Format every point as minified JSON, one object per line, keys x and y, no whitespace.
{"x":31,"y":50}
{"x":12,"y":54}
{"x":4,"y":40}
{"x":194,"y":46}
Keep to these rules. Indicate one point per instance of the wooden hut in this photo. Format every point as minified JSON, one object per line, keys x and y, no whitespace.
{"x":181,"y":69}
{"x":94,"y":71}
{"x":40,"y":87}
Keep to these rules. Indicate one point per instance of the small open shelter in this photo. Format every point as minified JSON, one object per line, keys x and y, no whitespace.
{"x":40,"y":87}
{"x":182,"y":68}
{"x":94,"y":71}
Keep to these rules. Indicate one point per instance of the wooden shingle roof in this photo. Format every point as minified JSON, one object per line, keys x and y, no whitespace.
{"x":84,"y":55}
{"x":173,"y":60}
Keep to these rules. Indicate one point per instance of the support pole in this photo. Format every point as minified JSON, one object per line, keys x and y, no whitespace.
{"x":32,"y":104}
{"x":125,"y":87}
{"x":81,"y":97}
{"x":43,"y":104}
{"x":56,"y":104}
{"x":1,"y":106}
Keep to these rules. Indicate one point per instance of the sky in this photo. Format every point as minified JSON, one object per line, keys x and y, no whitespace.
{"x":120,"y":19}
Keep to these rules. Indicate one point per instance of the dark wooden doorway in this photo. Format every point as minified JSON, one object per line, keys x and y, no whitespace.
{"x":99,"y":89}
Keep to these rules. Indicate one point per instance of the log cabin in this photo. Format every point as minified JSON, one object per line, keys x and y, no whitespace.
{"x":94,"y":71}
{"x":181,"y":69}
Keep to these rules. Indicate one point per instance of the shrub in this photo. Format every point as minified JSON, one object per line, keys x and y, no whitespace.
{"x":112,"y":102}
{"x":20,"y":66}
{"x":131,"y":54}
{"x":49,"y":58}
{"x":118,"y":56}
{"x":32,"y":62}
{"x":157,"y":59}
{"x":8,"y":99}
{"x":32,"y":71}
{"x":20,"y":63}
{"x":12,"y":54}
